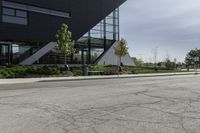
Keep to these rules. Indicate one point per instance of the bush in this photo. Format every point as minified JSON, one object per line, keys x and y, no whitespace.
{"x":112,"y":70}
{"x":99,"y":68}
{"x":37,"y":71}
{"x":106,"y":70}
{"x":77,"y":72}
{"x":24,"y":71}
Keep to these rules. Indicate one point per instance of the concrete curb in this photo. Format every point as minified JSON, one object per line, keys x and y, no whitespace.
{"x":57,"y":79}
{"x":116,"y":77}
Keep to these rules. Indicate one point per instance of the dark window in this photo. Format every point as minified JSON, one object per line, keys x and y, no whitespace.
{"x":36,"y":9}
{"x":14,"y":16}
{"x":22,"y":14}
{"x":8,"y":11}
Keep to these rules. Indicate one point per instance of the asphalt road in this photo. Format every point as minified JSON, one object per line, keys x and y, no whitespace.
{"x":140,"y":105}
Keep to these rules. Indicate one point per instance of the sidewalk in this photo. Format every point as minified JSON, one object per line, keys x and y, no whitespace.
{"x":54,"y":79}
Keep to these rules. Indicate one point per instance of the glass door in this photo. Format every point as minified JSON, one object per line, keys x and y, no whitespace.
{"x":4,"y":54}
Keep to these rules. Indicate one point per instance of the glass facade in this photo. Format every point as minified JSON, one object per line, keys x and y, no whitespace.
{"x":92,"y":45}
{"x":4,"y":54}
{"x":108,"y":28}
{"x":89,"y":48}
{"x":100,"y":37}
{"x":11,"y":53}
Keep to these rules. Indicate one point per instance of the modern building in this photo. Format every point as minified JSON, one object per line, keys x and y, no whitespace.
{"x":28,"y":28}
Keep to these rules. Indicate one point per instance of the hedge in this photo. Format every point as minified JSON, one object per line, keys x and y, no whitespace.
{"x":25,"y":71}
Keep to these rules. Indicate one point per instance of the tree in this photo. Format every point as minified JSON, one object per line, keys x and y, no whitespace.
{"x":121,"y":50}
{"x":169,"y":64}
{"x":159,"y":64}
{"x":64,"y":41}
{"x":138,"y":62}
{"x":190,"y":57}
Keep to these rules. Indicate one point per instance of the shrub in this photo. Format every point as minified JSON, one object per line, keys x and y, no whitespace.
{"x":99,"y":68}
{"x":112,"y":70}
{"x":23,"y":71}
{"x":77,"y":72}
{"x":50,"y":70}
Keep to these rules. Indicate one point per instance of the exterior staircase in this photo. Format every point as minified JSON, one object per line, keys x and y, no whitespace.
{"x":109,"y":57}
{"x":37,"y":55}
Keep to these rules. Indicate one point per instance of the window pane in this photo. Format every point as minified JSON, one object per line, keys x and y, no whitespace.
{"x":8,"y":11}
{"x":14,"y":20}
{"x":21,"y":14}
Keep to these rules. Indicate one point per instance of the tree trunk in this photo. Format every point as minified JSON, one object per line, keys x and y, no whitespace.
{"x":120,"y":60}
{"x":65,"y":62}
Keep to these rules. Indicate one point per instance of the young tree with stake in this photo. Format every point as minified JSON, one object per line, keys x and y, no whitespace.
{"x":65,"y":43}
{"x":121,"y":50}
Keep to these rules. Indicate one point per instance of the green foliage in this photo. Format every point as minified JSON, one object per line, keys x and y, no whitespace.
{"x":43,"y":70}
{"x":64,"y":41}
{"x":99,"y":68}
{"x":105,"y":70}
{"x":77,"y":71}
{"x":122,"y":49}
{"x":138,"y":70}
{"x":112,"y":70}
{"x":37,"y":71}
{"x":189,"y":60}
{"x":170,"y":65}
{"x":138,"y":62}
{"x":145,"y":70}
{"x":26,"y":71}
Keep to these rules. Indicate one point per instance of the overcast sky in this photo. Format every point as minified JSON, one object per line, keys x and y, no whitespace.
{"x":172,"y":25}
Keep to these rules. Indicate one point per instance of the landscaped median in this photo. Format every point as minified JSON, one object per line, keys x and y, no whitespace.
{"x":54,"y":71}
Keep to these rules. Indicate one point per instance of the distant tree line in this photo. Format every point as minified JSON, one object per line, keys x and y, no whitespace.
{"x":192,"y":58}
